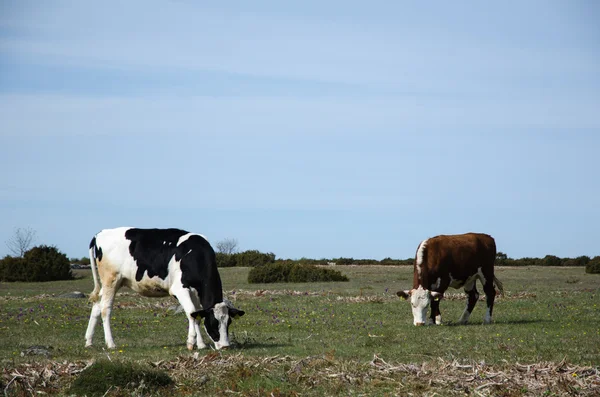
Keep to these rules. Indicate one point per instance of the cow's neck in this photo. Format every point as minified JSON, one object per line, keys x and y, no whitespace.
{"x":210,"y":291}
{"x":421,"y":276}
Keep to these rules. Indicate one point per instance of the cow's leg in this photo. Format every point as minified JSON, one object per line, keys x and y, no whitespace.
{"x":198,"y":305}
{"x":184,"y":296}
{"x":106,"y":303}
{"x":490,"y":295}
{"x":94,"y":316}
{"x":472,"y":297}
{"x":436,"y":315}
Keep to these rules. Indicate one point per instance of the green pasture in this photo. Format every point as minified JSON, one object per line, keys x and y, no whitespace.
{"x":547,"y":315}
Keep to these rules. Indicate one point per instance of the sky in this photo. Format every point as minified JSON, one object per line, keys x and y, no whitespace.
{"x":317,"y":129}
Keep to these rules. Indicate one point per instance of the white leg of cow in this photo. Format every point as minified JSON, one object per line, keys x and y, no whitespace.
{"x":198,"y":305}
{"x":94,"y":316}
{"x":106,"y":304}
{"x":183,"y":295}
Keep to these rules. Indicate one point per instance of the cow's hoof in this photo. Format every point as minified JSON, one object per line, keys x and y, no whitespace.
{"x":190,"y":346}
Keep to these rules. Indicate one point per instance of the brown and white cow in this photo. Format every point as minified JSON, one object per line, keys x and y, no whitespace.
{"x":452,"y":261}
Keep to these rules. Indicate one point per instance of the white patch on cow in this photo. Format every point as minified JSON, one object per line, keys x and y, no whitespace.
{"x":420,"y":299}
{"x":184,"y":238}
{"x":438,"y":319}
{"x":437,"y":284}
{"x":221,"y":312}
{"x":187,"y":236}
{"x":420,"y":252}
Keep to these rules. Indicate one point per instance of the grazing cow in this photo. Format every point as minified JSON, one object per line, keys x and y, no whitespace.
{"x":156,"y":263}
{"x":452,"y":261}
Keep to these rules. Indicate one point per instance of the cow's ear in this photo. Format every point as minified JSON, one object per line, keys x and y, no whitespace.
{"x":200,"y":313}
{"x":437,"y":295}
{"x":404,"y":294}
{"x":235,"y":313}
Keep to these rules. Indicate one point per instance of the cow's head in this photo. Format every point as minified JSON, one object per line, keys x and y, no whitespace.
{"x":217,"y":320}
{"x":420,"y":299}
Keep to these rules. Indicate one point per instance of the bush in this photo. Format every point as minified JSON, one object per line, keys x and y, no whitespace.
{"x":593,"y":266}
{"x":103,"y":375}
{"x":253,"y":258}
{"x":84,"y":261}
{"x":289,"y":272}
{"x":12,"y":269}
{"x":42,"y":263}
{"x":225,"y":260}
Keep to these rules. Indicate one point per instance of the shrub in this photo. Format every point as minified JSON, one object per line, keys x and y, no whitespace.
{"x":344,"y":261}
{"x":579,"y":261}
{"x":593,"y":266}
{"x":224,"y":260}
{"x":103,"y":375}
{"x":46,"y":263}
{"x":289,"y":272}
{"x":12,"y":269}
{"x":84,"y":261}
{"x":551,"y":260}
{"x":252,"y":258}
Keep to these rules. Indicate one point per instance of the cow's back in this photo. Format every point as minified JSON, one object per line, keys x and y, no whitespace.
{"x":459,"y":255}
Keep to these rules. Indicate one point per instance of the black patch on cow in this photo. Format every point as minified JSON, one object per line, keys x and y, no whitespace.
{"x":97,"y":250}
{"x":152,"y":250}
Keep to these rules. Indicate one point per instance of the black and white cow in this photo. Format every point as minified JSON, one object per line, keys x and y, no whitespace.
{"x":452,"y":261}
{"x":156,"y":263}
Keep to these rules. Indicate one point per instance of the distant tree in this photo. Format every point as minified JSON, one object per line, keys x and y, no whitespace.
{"x":227,"y":246}
{"x":593,"y":266}
{"x":551,"y":260}
{"x":47,"y":263}
{"x":21,"y":241}
{"x":501,"y":258}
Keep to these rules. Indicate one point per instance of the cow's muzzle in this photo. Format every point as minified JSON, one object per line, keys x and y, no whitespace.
{"x":419,"y":324}
{"x":219,"y":346}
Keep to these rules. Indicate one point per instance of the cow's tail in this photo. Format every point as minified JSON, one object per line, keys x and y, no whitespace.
{"x":95,"y":293}
{"x":499,"y":285}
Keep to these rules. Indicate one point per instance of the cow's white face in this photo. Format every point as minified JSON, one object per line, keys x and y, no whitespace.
{"x":420,"y":299}
{"x":216,"y":322}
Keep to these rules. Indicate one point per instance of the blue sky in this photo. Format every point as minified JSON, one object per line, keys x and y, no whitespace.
{"x":313,"y":129}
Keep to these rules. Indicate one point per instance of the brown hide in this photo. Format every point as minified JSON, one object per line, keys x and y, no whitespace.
{"x":457,"y":255}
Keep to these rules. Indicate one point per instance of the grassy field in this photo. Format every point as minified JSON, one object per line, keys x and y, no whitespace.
{"x":351,"y":338}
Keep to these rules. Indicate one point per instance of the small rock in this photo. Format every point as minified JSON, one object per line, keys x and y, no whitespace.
{"x":176,"y":309}
{"x":37,"y":350}
{"x":74,"y":294}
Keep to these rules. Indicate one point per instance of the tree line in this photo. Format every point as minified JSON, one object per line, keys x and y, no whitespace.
{"x":48,"y":263}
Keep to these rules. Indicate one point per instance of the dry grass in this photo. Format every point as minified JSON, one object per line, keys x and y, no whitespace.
{"x":215,"y":373}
